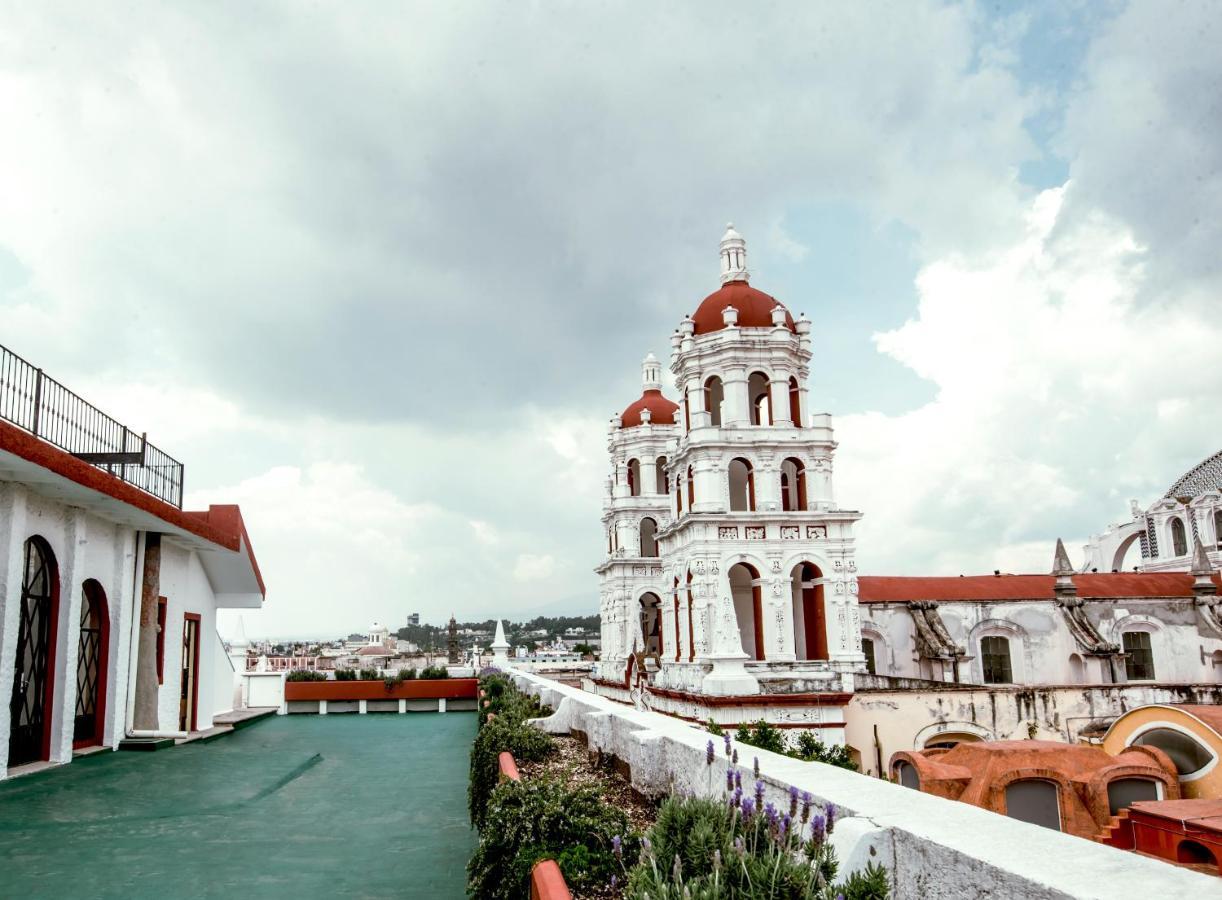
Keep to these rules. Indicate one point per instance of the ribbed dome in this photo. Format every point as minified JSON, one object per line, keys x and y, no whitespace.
{"x":661,"y":410}
{"x":754,"y":308}
{"x":1204,"y":476}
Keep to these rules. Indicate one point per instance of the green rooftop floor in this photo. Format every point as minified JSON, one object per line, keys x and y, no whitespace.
{"x":294,"y":806}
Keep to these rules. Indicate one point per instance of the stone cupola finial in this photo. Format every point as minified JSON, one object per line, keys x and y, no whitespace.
{"x":651,"y":373}
{"x":1202,"y":572}
{"x":1063,"y":570}
{"x":733,"y":256}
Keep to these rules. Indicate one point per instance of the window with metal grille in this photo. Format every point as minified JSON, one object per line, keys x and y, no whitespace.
{"x":867,"y":647}
{"x":995,"y":658}
{"x":1139,"y":659}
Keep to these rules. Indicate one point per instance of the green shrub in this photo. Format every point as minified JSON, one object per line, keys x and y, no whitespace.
{"x":305,"y":675}
{"x":527,"y":744}
{"x":434,"y":672}
{"x":762,"y":735}
{"x":809,"y":749}
{"x":703,"y":849}
{"x":543,"y":819}
{"x":345,"y":674}
{"x":505,"y":700}
{"x":369,"y":675}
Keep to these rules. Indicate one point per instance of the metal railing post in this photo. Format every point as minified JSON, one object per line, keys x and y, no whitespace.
{"x":37,"y":399}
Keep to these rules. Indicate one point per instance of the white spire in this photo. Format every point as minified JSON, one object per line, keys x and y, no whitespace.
{"x":500,"y":646}
{"x":651,"y":373}
{"x":733,"y":256}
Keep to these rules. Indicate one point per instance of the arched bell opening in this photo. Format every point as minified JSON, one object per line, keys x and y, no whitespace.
{"x":651,"y":623}
{"x":92,"y":658}
{"x":809,"y":612}
{"x":748,"y":598}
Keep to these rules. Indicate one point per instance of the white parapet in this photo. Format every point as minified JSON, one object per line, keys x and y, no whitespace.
{"x":933,"y":847}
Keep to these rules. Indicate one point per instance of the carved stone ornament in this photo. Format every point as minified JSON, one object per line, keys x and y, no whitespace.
{"x":755,"y":532}
{"x":838,"y":564}
{"x":776,"y":589}
{"x":790,"y":532}
{"x":728,"y":532}
{"x":776,"y":565}
{"x":699,"y":567}
{"x":853,"y":587}
{"x":713,"y":569}
{"x":640,"y":570}
{"x":851,"y":565}
{"x":816,"y":532}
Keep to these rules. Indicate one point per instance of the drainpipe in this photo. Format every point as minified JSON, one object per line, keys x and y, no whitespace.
{"x":142,"y":733}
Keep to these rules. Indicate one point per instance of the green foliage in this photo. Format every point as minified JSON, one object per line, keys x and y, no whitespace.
{"x":507,"y":731}
{"x":398,"y":678}
{"x":543,"y":819}
{"x":305,"y":675}
{"x":713,"y":728}
{"x":505,"y":700}
{"x":762,"y":735}
{"x":345,"y":674}
{"x":811,"y":749}
{"x":704,"y":849}
{"x":434,"y":672}
{"x":368,"y":675}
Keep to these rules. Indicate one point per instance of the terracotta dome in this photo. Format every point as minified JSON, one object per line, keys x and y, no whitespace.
{"x":754,"y":308}
{"x":661,"y":410}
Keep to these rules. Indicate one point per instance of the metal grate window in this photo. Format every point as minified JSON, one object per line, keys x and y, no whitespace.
{"x":995,"y":659}
{"x":1139,"y":658}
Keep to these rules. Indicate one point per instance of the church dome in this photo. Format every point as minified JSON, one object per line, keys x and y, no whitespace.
{"x":1204,"y":476}
{"x":754,"y":308}
{"x":661,"y":410}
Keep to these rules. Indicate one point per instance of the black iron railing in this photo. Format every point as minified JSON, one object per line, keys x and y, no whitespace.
{"x":35,"y":401}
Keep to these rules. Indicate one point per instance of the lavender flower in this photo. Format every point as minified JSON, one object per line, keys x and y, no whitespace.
{"x":793,"y":801}
{"x":729,"y":781}
{"x":830,"y":810}
{"x":756,"y":766}
{"x":807,"y":801}
{"x":614,"y":882}
{"x":709,"y":754}
{"x":770,"y":813}
{"x":738,"y":796}
{"x":781,"y":829}
{"x":759,"y":793}
{"x":818,"y":830}
{"x":617,"y":847}
{"x":738,"y":777}
{"x":748,"y":807}
{"x":740,"y":846}
{"x":677,"y":870}
{"x":727,"y":740}
{"x":734,"y":756}
{"x":717,"y":860}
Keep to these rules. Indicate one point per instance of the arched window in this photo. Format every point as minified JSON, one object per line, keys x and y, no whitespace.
{"x":1179,"y":540}
{"x":1124,"y":792}
{"x":1218,"y":528}
{"x":742,"y":485}
{"x":757,"y":394}
{"x":659,"y":481}
{"x":679,"y":493}
{"x":649,"y":540}
{"x":1139,"y":658}
{"x":947,"y":740}
{"x":1077,"y":669}
{"x":1194,"y":853}
{"x":691,"y":488}
{"x":1034,"y":800}
{"x":91,"y":667}
{"x":634,"y":477}
{"x":867,"y":647}
{"x":678,"y":642}
{"x":32,"y":700}
{"x":1189,"y":755}
{"x":714,"y":394}
{"x":809,"y":615}
{"x":793,"y":485}
{"x":795,"y":403}
{"x":651,"y":623}
{"x":906,"y":775}
{"x":995,"y":659}
{"x":748,"y":608}
{"x":691,"y":624}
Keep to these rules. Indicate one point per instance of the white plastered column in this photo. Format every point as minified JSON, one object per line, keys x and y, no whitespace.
{"x":709,"y":476}
{"x":778,"y":615}
{"x":695,"y":399}
{"x":119,"y":603}
{"x":778,"y":396}
{"x":12,"y":550}
{"x":735,"y":406}
{"x":729,"y":675}
{"x":67,"y":648}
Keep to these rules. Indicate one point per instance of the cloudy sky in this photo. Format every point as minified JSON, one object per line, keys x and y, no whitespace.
{"x":380,"y":273}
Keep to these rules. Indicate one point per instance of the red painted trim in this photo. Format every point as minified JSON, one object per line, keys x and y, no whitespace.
{"x":755,"y":699}
{"x":757,"y":613}
{"x":99,"y":714}
{"x":726,"y":725}
{"x":426,"y":689}
{"x":217,"y":525}
{"x":199,"y":630}
{"x":162,"y":614}
{"x":507,"y":765}
{"x":547,"y":882}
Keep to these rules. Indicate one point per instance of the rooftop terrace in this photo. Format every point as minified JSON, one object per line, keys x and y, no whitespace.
{"x":309,"y":806}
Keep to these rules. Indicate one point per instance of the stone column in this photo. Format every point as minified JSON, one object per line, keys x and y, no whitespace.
{"x":778,"y":396}
{"x":71,"y":580}
{"x":145,"y":716}
{"x":729,"y":675}
{"x":735,"y":409}
{"x":12,"y":560}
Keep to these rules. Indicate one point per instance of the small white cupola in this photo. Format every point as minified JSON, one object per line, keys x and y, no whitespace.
{"x":651,"y":373}
{"x":733,"y":256}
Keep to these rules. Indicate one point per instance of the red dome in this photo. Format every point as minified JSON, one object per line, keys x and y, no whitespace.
{"x":661,"y":410}
{"x":754,"y":308}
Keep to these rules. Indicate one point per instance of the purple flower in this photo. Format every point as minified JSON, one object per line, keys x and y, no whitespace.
{"x":734,"y":757}
{"x":807,"y":801}
{"x":781,"y":828}
{"x":709,"y":754}
{"x":748,"y":807}
{"x":793,"y":800}
{"x":740,"y":846}
{"x":738,"y":778}
{"x":729,"y":780}
{"x":756,"y":765}
{"x":818,"y":830}
{"x":830,"y":810}
{"x":738,"y":796}
{"x":617,"y":847}
{"x":646,"y":845}
{"x":614,"y":882}
{"x":759,"y":793}
{"x":727,"y":740}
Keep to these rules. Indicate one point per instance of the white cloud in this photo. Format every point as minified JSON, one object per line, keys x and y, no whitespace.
{"x":534,"y":567}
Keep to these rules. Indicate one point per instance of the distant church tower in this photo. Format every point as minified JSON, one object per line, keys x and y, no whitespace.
{"x":452,"y":643}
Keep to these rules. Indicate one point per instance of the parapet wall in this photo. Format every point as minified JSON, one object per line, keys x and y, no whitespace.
{"x":934,"y":848}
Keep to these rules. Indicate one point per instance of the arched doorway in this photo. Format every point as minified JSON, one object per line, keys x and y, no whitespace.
{"x":34,"y":666}
{"x":748,"y":608}
{"x":91,"y":667}
{"x":651,"y":623}
{"x":809,"y":616}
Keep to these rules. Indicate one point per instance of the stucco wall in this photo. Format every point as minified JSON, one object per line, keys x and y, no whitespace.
{"x":934,"y":848}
